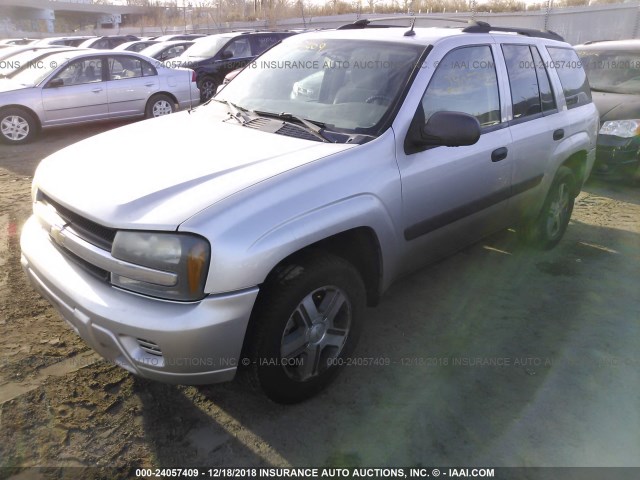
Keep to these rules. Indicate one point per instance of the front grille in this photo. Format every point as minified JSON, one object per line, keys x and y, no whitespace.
{"x":88,"y":230}
{"x":97,"y":272}
{"x":149,"y":347}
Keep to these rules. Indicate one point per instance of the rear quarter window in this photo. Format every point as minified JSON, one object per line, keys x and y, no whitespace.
{"x":572,"y":76}
{"x":264,"y":42}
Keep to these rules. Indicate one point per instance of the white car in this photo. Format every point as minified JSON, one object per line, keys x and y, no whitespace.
{"x":84,"y":86}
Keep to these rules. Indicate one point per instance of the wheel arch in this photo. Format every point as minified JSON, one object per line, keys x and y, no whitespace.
{"x":358,"y":246}
{"x":168,"y":94}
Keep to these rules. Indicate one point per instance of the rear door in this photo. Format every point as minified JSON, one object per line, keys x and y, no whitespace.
{"x":537,"y":125}
{"x":131,"y":82}
{"x":77,"y":93}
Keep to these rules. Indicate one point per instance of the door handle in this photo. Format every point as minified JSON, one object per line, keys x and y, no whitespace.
{"x":148,"y":84}
{"x":558,"y":134}
{"x":499,"y":154}
{"x":96,"y":90}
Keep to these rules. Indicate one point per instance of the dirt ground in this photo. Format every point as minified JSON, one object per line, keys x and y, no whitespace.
{"x":497,"y":356}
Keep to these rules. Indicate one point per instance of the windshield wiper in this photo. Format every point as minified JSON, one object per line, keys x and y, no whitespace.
{"x":316,"y":128}
{"x":235,"y":111}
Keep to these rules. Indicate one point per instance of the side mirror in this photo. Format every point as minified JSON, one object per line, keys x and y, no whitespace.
{"x":450,"y":129}
{"x":56,"y":82}
{"x":226,"y":54}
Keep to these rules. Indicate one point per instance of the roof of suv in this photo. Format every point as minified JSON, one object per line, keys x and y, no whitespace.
{"x":423,"y":35}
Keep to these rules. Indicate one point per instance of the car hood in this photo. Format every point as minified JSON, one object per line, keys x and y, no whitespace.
{"x":8,"y":85}
{"x":155,"y":174}
{"x":616,"y":106}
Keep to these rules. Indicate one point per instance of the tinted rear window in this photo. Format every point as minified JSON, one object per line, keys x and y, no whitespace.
{"x":572,"y":77}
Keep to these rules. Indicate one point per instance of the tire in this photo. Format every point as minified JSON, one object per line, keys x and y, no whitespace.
{"x":307,"y":320}
{"x":549,"y":227}
{"x":17,"y":126}
{"x":159,"y":105}
{"x":207,"y":87}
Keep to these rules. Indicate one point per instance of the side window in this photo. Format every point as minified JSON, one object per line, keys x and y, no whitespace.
{"x":129,"y":67}
{"x":88,"y":70}
{"x":465,"y":81}
{"x":263,"y":42}
{"x":525,"y":95}
{"x":547,"y":97}
{"x":172,"y":52}
{"x":239,"y":48}
{"x":102,"y":44}
{"x":572,"y":77}
{"x":147,"y":69}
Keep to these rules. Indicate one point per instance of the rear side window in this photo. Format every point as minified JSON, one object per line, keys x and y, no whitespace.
{"x":572,"y":77}
{"x":123,"y":67}
{"x":525,"y":94}
{"x":264,"y":42}
{"x":547,"y":97}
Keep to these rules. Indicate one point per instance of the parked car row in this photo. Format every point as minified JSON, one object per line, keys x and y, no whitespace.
{"x":100,"y":78}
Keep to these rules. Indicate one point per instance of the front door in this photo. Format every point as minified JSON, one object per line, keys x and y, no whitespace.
{"x":453,"y":196}
{"x":75,"y":94}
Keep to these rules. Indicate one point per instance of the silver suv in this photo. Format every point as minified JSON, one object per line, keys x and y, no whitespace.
{"x":251,"y":232}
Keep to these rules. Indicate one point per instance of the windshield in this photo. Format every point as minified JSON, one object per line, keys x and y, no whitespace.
{"x":33,"y":76}
{"x":347,"y":86}
{"x":206,"y":47}
{"x":612,"y":71}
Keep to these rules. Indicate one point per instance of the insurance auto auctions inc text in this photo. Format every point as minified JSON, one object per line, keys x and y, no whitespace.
{"x":373,"y":473}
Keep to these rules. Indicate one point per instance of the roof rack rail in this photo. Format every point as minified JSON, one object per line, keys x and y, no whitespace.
{"x":484,"y":27}
{"x":366,"y":22}
{"x":473,"y":26}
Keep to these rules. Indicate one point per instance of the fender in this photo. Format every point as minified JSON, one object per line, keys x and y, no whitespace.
{"x":252,"y":231}
{"x":363,"y":210}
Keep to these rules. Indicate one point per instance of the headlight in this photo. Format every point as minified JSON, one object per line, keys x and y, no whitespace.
{"x":621,"y":128}
{"x":183,"y":254}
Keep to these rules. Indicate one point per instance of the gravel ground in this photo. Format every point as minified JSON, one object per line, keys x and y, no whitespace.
{"x":497,"y":356}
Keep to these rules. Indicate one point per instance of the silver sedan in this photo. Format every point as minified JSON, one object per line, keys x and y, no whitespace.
{"x":76,"y":87}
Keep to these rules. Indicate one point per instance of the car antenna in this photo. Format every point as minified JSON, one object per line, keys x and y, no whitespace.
{"x":411,"y":32}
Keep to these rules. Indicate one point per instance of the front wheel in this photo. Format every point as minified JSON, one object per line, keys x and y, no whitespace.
{"x":17,"y":126}
{"x":160,"y":105}
{"x":548,"y":229}
{"x":307,"y":321}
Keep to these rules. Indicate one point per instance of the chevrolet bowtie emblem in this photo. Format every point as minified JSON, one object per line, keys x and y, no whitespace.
{"x":56,"y":234}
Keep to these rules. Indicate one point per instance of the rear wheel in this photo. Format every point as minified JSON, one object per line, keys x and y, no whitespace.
{"x":307,"y":320}
{"x":160,"y":105}
{"x":548,"y":229}
{"x":208,"y":87}
{"x":17,"y":126}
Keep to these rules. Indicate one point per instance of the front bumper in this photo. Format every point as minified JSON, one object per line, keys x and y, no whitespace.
{"x":172,"y":342}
